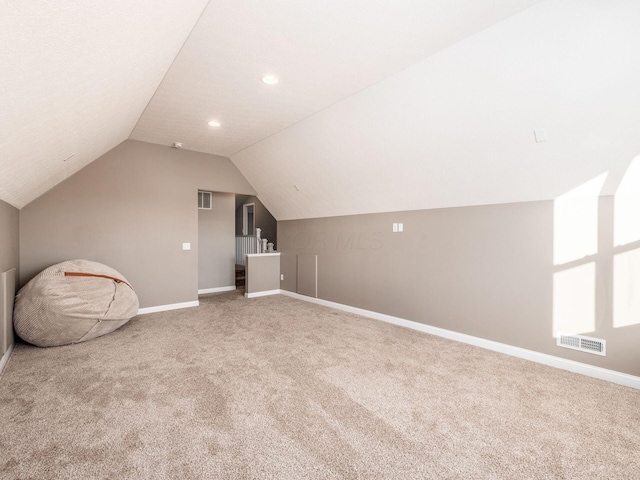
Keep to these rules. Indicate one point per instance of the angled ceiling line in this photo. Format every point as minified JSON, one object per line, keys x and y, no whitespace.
{"x":383,"y":80}
{"x":186,"y":39}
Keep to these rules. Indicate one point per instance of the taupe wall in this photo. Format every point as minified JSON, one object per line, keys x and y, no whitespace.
{"x":9,"y":242}
{"x":216,"y":243}
{"x":263,"y":218}
{"x":9,"y":237}
{"x":486,"y":271}
{"x":131,"y":209}
{"x":263,"y":273}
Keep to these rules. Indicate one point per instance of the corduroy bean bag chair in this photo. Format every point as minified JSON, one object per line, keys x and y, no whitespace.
{"x":72,"y":302}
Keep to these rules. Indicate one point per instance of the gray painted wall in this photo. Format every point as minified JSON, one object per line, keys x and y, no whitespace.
{"x":9,"y":237}
{"x":486,"y":271}
{"x":216,"y":243}
{"x":263,"y":273}
{"x":9,"y":243}
{"x":131,"y":209}
{"x":264,"y":220}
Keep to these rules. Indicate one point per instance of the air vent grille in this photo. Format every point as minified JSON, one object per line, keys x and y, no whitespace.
{"x":582,"y":343}
{"x":204,"y":200}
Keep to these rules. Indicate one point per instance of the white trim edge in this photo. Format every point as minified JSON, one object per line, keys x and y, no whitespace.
{"x":216,"y":289}
{"x":543,"y":358}
{"x":262,"y":294}
{"x":5,"y":358}
{"x":164,"y":308}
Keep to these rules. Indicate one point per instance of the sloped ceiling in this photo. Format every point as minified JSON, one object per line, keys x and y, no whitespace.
{"x":322,"y":51}
{"x":74,"y":79}
{"x":458,"y":128}
{"x":76,"y":76}
{"x":382,"y":105}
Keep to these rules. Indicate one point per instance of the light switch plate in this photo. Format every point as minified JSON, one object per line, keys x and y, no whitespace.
{"x":186,"y":246}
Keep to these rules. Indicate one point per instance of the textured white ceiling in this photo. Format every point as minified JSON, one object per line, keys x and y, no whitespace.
{"x":75,"y":77}
{"x":458,"y":128}
{"x":322,"y":51}
{"x":382,"y":105}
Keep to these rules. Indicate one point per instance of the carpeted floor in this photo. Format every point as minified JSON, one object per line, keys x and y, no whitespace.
{"x":274,"y":387}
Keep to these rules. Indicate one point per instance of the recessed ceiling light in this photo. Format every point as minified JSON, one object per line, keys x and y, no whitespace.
{"x":214,"y":123}
{"x":270,"y":79}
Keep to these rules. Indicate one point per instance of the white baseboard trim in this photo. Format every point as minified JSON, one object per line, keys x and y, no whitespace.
{"x":216,"y":289}
{"x":5,"y":358}
{"x":164,"y":308}
{"x":543,"y":358}
{"x":262,"y":294}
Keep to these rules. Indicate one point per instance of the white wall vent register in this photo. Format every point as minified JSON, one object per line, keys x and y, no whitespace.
{"x":204,"y":200}
{"x":582,"y":343}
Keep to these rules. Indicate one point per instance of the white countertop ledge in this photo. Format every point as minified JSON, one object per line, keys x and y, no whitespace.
{"x":274,"y":254}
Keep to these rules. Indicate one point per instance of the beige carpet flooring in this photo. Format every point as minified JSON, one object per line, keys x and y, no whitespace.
{"x":274,"y":387}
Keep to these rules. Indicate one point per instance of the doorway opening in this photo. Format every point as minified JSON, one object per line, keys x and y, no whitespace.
{"x":248,"y":219}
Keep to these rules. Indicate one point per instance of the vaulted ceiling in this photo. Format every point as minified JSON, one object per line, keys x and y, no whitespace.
{"x":381,"y":106}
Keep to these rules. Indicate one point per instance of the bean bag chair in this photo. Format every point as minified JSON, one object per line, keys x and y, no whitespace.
{"x":73,"y":302}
